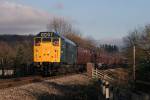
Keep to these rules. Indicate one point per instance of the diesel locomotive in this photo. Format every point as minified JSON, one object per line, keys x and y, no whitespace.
{"x":51,"y":48}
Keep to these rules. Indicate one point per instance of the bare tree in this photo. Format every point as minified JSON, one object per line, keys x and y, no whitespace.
{"x":81,"y":41}
{"x":140,"y":39}
{"x":65,"y":28}
{"x":6,"y":56}
{"x":144,"y":42}
{"x":6,"y":53}
{"x":60,"y":25}
{"x":132,"y":39}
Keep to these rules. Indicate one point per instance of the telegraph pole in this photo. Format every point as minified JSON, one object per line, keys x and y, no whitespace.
{"x":134,"y":77}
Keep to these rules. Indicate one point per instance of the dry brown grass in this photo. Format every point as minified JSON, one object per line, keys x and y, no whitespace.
{"x":55,"y":89}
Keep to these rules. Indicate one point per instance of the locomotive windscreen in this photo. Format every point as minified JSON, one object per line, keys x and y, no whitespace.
{"x":46,"y":39}
{"x":56,"y":41}
{"x":37,"y":41}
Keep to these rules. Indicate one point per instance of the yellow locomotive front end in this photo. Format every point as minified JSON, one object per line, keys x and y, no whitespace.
{"x":47,"y":48}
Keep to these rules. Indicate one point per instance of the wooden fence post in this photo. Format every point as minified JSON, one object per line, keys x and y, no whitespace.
{"x":107,"y":90}
{"x":90,"y":69}
{"x":93,"y":73}
{"x":96,"y":72}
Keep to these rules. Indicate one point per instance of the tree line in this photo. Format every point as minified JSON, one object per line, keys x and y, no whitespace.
{"x":109,"y":48}
{"x":15,"y":51}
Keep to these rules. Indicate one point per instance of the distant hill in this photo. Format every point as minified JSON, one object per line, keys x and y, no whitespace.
{"x":16,"y":38}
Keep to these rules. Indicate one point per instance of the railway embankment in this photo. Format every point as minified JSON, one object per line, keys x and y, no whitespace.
{"x":73,"y":87}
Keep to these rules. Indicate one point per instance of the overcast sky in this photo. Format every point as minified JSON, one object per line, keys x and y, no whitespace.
{"x":101,"y":19}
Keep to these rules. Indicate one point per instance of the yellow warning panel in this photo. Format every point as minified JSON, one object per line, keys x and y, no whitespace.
{"x":47,"y":51}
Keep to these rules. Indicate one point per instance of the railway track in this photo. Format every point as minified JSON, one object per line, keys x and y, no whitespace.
{"x":7,"y":83}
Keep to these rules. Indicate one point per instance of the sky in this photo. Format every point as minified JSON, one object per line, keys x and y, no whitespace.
{"x":99,"y":19}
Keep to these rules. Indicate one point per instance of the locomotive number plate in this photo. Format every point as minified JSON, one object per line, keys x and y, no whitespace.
{"x":49,"y":34}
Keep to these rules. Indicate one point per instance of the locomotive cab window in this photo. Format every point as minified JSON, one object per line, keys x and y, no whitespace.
{"x":56,"y":41}
{"x":46,"y":40}
{"x":37,"y":41}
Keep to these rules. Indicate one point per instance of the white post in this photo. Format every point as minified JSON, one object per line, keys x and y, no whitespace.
{"x":103,"y":87}
{"x":107,"y":90}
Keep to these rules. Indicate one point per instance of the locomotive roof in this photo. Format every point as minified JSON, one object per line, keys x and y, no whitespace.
{"x":67,"y":40}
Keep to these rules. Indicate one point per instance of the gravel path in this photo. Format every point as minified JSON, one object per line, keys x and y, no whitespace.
{"x":54,"y":89}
